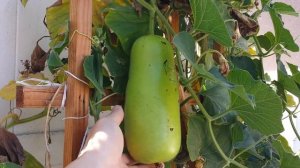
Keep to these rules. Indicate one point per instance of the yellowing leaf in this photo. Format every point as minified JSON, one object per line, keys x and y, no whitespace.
{"x":252,"y":50}
{"x":290,"y":102}
{"x":24,"y":2}
{"x":60,"y":75}
{"x":8,"y":92}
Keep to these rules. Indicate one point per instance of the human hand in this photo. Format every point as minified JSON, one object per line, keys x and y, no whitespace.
{"x":104,"y":145}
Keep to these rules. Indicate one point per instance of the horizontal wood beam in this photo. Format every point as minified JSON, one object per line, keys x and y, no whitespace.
{"x":40,"y":97}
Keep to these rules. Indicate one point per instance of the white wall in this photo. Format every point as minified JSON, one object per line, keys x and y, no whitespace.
{"x":20,"y":28}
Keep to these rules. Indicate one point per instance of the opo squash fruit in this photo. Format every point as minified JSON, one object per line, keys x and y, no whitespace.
{"x":152,"y":118}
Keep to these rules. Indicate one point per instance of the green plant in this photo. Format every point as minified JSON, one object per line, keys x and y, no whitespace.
{"x":229,"y":118}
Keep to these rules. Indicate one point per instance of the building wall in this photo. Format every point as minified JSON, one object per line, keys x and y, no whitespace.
{"x":21,"y":27}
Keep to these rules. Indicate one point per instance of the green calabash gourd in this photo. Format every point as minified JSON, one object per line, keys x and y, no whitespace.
{"x":152,"y":117}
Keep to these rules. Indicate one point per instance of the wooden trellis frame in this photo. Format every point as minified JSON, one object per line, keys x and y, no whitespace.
{"x":77,"y":92}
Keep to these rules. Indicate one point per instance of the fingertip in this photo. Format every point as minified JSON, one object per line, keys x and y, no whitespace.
{"x":117,"y":114}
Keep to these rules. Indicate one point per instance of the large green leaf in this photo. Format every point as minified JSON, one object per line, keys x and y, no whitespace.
{"x":92,"y":66}
{"x":287,"y":159}
{"x":282,"y":35}
{"x":128,"y":25}
{"x":199,"y":142}
{"x":186,"y":45}
{"x":208,"y":19}
{"x":31,"y":161}
{"x":283,"y":8}
{"x":267,"y":114}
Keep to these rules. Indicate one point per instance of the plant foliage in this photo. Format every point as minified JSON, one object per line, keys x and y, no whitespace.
{"x":232,"y":117}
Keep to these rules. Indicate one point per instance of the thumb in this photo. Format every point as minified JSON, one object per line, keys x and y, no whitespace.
{"x":117,"y":114}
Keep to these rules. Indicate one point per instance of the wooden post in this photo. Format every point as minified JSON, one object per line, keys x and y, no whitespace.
{"x":77,"y":92}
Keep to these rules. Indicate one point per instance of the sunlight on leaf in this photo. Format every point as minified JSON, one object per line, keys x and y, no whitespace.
{"x":267,"y":114}
{"x":8,"y":92}
{"x":287,"y":159}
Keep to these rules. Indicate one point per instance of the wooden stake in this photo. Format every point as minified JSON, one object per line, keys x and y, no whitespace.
{"x":77,"y":93}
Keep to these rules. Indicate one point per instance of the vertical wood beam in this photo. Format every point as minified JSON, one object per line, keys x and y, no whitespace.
{"x":77,"y":93}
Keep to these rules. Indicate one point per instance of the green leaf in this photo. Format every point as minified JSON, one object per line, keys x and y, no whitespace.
{"x":245,"y":63}
{"x":9,"y":165}
{"x":8,"y":92}
{"x":288,"y":83}
{"x":92,"y":66}
{"x":185,"y":43}
{"x":128,"y":25}
{"x":186,"y":46}
{"x":31,"y":161}
{"x":194,"y":136}
{"x":216,"y":101}
{"x":266,"y":41}
{"x":238,"y":90}
{"x":293,"y":68}
{"x":287,"y":159}
{"x":54,"y":61}
{"x":208,"y":19}
{"x":282,"y":35}
{"x":57,"y":18}
{"x":199,"y":142}
{"x":283,"y":8}
{"x":267,"y":114}
{"x":117,"y":61}
{"x":285,"y":144}
{"x":118,"y":64}
{"x":120,"y":83}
